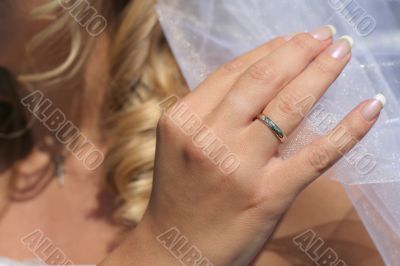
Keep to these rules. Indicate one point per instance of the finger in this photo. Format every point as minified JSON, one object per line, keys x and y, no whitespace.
{"x":298,"y":171}
{"x":263,"y":80}
{"x":290,"y":106}
{"x":211,"y":92}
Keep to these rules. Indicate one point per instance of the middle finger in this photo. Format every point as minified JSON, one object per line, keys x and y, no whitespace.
{"x":292,"y":104}
{"x":262,"y":81}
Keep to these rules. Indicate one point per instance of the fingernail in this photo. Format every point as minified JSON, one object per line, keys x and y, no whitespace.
{"x":372,"y":109}
{"x":324,"y":33}
{"x":342,"y":47}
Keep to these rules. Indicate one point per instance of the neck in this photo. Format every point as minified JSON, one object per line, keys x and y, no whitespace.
{"x":81,"y":102}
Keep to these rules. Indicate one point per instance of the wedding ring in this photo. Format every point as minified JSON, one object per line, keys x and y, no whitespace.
{"x":278,"y":132}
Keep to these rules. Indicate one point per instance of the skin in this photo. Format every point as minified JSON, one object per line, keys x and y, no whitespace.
{"x":257,"y":194}
{"x":235,"y":214}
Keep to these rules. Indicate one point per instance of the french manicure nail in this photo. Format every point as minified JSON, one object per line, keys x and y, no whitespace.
{"x":324,"y":33}
{"x":342,"y":47}
{"x":372,"y":109}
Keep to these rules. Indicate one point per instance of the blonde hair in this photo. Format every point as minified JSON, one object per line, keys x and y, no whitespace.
{"x":142,"y":73}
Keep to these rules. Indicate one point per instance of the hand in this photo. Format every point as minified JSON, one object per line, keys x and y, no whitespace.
{"x":228,"y":207}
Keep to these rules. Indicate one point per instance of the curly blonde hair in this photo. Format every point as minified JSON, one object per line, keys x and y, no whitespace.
{"x":142,"y":73}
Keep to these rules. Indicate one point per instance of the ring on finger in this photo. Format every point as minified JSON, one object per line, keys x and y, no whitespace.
{"x":276,"y":130}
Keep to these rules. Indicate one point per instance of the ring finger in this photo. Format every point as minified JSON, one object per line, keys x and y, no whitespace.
{"x":292,"y":103}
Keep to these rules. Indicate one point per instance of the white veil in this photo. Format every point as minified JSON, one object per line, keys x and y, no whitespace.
{"x":205,"y":34}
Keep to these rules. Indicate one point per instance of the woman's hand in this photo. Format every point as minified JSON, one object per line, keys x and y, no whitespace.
{"x":219,"y":180}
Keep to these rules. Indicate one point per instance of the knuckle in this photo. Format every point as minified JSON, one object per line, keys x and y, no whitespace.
{"x":287,"y":104}
{"x":262,"y":72}
{"x":237,"y":65}
{"x":305,"y":42}
{"x":319,"y":158}
{"x":325,"y":67}
{"x":165,"y":125}
{"x":193,"y":154}
{"x":357,"y":128}
{"x":267,"y":48}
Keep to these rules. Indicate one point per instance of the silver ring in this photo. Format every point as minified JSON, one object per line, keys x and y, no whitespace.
{"x":278,"y":132}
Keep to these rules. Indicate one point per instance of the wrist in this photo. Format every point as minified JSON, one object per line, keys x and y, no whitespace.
{"x":141,"y":247}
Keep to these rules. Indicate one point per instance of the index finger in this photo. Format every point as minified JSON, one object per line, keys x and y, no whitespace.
{"x":211,"y":91}
{"x":263,"y":80}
